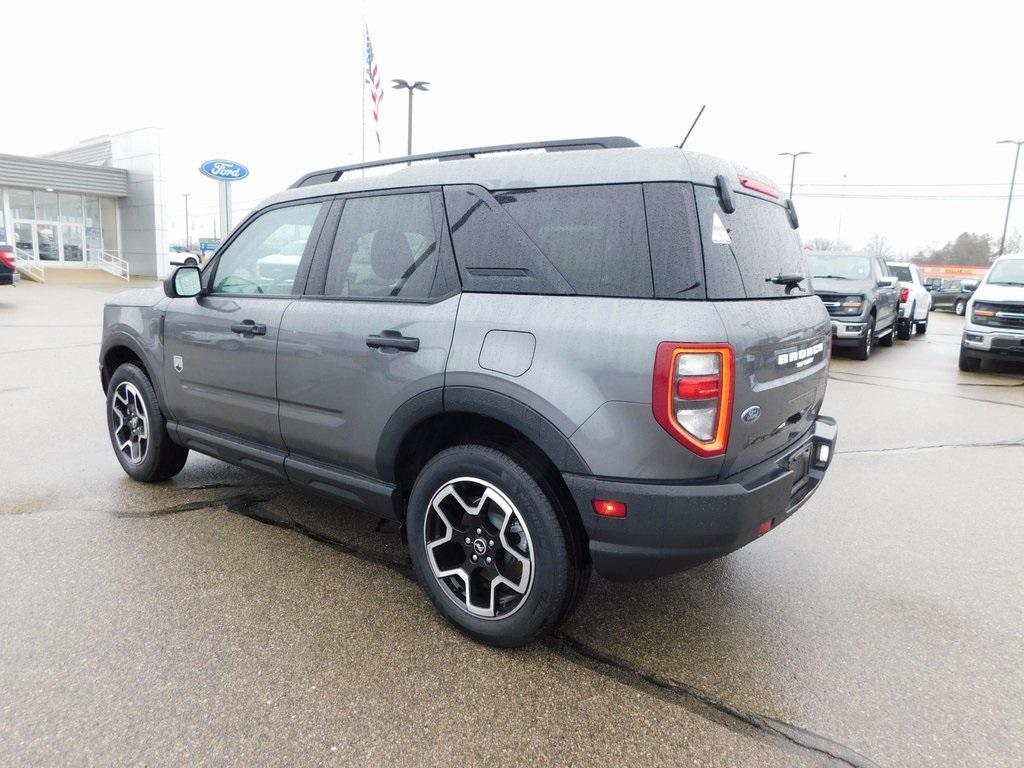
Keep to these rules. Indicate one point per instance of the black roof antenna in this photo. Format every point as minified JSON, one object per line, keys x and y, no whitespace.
{"x":693,"y":125}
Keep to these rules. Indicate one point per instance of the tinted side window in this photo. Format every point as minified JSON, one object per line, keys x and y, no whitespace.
{"x":595,"y":236}
{"x":674,"y":235}
{"x":744,"y":248}
{"x":494,"y":254}
{"x":385,"y":247}
{"x":264,"y":257}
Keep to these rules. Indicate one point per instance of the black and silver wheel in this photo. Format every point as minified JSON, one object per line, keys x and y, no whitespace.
{"x":906,"y":327}
{"x":960,"y":306}
{"x":492,"y":549}
{"x":922,"y":325}
{"x":138,"y":430}
{"x":863,"y":350}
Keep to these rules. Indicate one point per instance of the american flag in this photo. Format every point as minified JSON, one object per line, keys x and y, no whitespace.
{"x":373,"y":80}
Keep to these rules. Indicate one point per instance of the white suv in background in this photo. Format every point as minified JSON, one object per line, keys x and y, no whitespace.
{"x":915,"y":300}
{"x":995,"y":316}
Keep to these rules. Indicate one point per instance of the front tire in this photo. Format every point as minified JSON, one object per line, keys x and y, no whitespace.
{"x":138,"y":430}
{"x":960,"y":306}
{"x":863,"y":350}
{"x":494,"y":552}
{"x":968,"y":363}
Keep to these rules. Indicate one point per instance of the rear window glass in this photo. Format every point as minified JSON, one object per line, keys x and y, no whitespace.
{"x":902,"y":273}
{"x":744,"y":249}
{"x":595,"y":236}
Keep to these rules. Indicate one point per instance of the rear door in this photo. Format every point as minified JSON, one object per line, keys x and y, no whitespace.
{"x":220,"y":347}
{"x":373,"y":330}
{"x":780,"y":334}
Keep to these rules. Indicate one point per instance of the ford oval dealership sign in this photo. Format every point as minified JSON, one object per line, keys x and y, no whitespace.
{"x":224,"y":170}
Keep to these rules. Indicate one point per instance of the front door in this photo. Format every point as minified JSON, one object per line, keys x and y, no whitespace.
{"x":375,"y":332}
{"x":220,"y":348}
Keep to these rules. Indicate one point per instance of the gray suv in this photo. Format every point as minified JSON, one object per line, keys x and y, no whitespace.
{"x":587,"y":355}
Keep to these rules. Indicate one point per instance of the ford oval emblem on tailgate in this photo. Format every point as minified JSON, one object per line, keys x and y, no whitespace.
{"x":752,"y":414}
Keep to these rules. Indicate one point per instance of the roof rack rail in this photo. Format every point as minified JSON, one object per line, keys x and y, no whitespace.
{"x":559,"y":145}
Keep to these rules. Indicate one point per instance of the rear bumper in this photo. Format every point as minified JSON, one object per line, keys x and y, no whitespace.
{"x":670,"y":528}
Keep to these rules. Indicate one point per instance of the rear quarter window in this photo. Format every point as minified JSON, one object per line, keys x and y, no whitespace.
{"x":744,"y":249}
{"x":595,"y":236}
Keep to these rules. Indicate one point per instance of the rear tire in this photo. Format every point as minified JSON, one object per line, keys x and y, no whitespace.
{"x":922,"y":326}
{"x":138,"y":430}
{"x":968,"y":363}
{"x":906,"y":327}
{"x":472,"y":500}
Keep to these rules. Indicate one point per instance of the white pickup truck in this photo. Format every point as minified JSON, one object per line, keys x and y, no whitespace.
{"x":915,"y":301}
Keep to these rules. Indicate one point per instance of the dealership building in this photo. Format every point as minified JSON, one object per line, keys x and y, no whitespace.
{"x":98,"y":205}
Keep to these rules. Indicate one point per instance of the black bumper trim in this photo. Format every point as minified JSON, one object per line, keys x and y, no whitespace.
{"x":671,"y":527}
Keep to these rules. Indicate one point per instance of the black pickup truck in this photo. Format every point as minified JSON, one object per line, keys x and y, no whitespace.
{"x":862,"y":297}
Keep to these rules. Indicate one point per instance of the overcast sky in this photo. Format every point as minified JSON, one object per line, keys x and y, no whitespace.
{"x":905,"y":96}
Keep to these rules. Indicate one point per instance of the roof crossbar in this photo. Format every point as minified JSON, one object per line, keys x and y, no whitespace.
{"x":559,"y":145}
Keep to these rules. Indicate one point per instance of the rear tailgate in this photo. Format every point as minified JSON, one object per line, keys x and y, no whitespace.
{"x":782,"y":351}
{"x":779,"y":331}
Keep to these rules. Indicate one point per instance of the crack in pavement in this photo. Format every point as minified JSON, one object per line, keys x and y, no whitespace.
{"x":575,"y":651}
{"x":701,"y":703}
{"x":835,"y":377}
{"x":937,"y":446}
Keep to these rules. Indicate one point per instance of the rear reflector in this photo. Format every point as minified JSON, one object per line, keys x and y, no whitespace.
{"x":759,"y":186}
{"x":606,"y":508}
{"x":766,"y":526}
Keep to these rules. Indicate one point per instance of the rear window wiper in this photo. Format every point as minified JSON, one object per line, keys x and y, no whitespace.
{"x":791,"y":281}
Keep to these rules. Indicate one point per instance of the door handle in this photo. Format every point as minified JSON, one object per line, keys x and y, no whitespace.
{"x":392,"y":340}
{"x":249,"y":328}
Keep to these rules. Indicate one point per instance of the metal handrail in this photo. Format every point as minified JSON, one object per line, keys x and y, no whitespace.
{"x":110,"y":262}
{"x":29,"y":266}
{"x":328,"y":175}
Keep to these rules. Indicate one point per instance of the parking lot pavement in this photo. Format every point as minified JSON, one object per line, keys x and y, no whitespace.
{"x":210,"y":619}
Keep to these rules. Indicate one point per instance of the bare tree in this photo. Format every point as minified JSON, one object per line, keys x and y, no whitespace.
{"x":824,"y":244}
{"x":879,"y":245}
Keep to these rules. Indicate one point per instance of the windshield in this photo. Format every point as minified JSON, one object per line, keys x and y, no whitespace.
{"x":902,"y":273}
{"x":847,"y":267}
{"x":1010,"y":272}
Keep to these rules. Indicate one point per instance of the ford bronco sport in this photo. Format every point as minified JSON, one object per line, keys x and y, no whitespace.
{"x":538,"y":362}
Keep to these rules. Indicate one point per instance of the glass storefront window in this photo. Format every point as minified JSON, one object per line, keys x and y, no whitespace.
{"x":70,"y":208}
{"x":46,"y":241}
{"x":71,"y":237}
{"x":47,"y":206}
{"x":21,"y":204}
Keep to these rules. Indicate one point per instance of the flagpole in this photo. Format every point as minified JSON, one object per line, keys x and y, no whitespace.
{"x":362,"y":88}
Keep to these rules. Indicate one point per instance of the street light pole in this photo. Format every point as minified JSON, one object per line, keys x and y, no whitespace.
{"x":1009,"y":200}
{"x":792,"y":167}
{"x":418,"y":85}
{"x":188,"y":234}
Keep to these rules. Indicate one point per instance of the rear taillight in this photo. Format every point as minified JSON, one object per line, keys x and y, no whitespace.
{"x":7,"y":258}
{"x":692,"y":395}
{"x":904,"y":294}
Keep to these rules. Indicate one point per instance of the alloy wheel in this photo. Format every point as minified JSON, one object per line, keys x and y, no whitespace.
{"x":130,"y":422}
{"x":479,"y":548}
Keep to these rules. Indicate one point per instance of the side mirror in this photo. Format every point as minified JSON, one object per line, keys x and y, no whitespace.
{"x":183,"y":283}
{"x":887,"y":282}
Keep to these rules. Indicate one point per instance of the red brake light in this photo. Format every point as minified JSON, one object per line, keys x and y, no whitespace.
{"x":692,"y":394}
{"x":7,"y":257}
{"x":759,"y":186}
{"x":904,"y":294}
{"x":607,"y":508}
